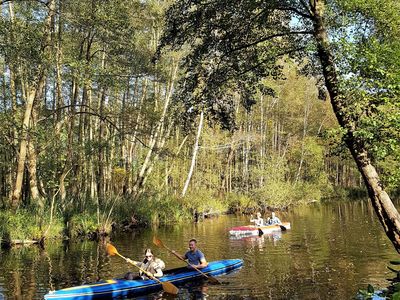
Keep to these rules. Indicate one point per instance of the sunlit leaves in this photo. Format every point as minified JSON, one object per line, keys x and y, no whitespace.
{"x":366,"y":39}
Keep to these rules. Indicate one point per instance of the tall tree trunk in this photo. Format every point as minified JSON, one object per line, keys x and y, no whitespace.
{"x":32,"y":171}
{"x":262,"y":142}
{"x":101,"y":162}
{"x":305,"y":129}
{"x":32,"y":164}
{"x":33,"y":94}
{"x":168,"y":169}
{"x":194,"y":155}
{"x":386,"y":211}
{"x":157,"y":135}
{"x":13,"y":92}
{"x":16,"y":196}
{"x":12,"y":66}
{"x":227,"y":168}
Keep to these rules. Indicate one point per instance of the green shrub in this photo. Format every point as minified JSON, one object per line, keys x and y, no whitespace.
{"x":160,"y":209}
{"x":83,"y":224}
{"x":27,"y":225}
{"x":238,"y":202}
{"x":203,"y":201}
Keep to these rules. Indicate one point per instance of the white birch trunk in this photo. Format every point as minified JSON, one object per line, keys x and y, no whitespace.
{"x":195,"y":150}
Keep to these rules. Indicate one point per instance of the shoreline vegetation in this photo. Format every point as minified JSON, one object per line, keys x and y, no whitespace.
{"x":28,"y":226}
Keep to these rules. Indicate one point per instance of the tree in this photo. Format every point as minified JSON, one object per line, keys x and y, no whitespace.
{"x":231,"y":45}
{"x":34,"y":89}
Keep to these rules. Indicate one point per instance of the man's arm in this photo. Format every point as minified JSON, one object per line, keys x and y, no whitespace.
{"x":181,"y":257}
{"x":203,"y":263}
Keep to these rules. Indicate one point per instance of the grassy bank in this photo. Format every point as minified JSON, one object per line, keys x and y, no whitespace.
{"x":89,"y":219}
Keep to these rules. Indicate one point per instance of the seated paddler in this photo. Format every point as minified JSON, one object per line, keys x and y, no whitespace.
{"x":274,"y":220}
{"x":150,"y":264}
{"x":258,"y":221}
{"x":194,"y":256}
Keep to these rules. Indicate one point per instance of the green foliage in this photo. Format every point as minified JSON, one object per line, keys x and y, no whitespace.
{"x":368,"y":53}
{"x":238,"y":202}
{"x":160,"y":209}
{"x":23,"y":225}
{"x":164,"y":209}
{"x":370,"y":293}
{"x":311,"y":152}
{"x":203,"y":201}
{"x":277,"y":194}
{"x":281,"y":194}
{"x":83,"y":225}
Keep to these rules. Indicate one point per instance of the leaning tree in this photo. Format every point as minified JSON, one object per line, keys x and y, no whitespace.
{"x":231,"y":44}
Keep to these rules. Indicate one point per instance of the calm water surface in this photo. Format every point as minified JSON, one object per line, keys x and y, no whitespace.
{"x":331,"y":251}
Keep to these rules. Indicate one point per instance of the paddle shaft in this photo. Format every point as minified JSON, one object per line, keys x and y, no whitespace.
{"x":194,"y":267}
{"x":144,"y":271}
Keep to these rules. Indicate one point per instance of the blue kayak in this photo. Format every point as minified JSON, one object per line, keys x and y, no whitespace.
{"x":121,"y":287}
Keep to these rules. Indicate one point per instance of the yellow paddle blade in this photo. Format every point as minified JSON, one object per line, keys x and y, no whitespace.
{"x":157,"y":242}
{"x":111,"y":250}
{"x":170,"y":288}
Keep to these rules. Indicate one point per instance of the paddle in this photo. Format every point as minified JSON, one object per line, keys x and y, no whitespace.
{"x":159,"y":243}
{"x":167,"y":286}
{"x":260,"y":232}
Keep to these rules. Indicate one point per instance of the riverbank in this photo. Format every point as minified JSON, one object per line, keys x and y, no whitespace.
{"x":33,"y":226}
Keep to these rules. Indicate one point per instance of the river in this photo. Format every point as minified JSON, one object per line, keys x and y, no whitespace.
{"x":331,"y":251}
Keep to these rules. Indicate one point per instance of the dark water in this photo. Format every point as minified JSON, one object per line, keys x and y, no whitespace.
{"x":331,"y":251}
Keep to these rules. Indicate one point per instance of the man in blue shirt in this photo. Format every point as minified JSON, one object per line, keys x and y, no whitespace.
{"x":194,"y":256}
{"x":274,"y":220}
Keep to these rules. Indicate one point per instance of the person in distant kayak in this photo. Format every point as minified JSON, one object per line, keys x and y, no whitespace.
{"x":194,"y":256}
{"x":258,"y":221}
{"x":274,"y":220}
{"x":150,"y":264}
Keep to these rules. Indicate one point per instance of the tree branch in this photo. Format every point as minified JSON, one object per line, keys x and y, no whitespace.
{"x":306,"y":7}
{"x":296,"y":11}
{"x":269,"y":58}
{"x":270,"y":37}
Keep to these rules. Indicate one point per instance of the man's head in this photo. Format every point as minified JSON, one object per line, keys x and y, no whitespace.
{"x":258,"y":215}
{"x":192,"y":245}
{"x":273,"y":215}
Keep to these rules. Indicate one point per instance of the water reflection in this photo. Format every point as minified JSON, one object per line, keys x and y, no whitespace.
{"x":259,"y":241}
{"x":331,"y":251}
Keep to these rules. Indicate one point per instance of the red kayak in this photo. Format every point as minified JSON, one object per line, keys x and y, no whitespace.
{"x":256,"y":230}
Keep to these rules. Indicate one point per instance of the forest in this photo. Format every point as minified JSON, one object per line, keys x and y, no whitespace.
{"x":124,"y":113}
